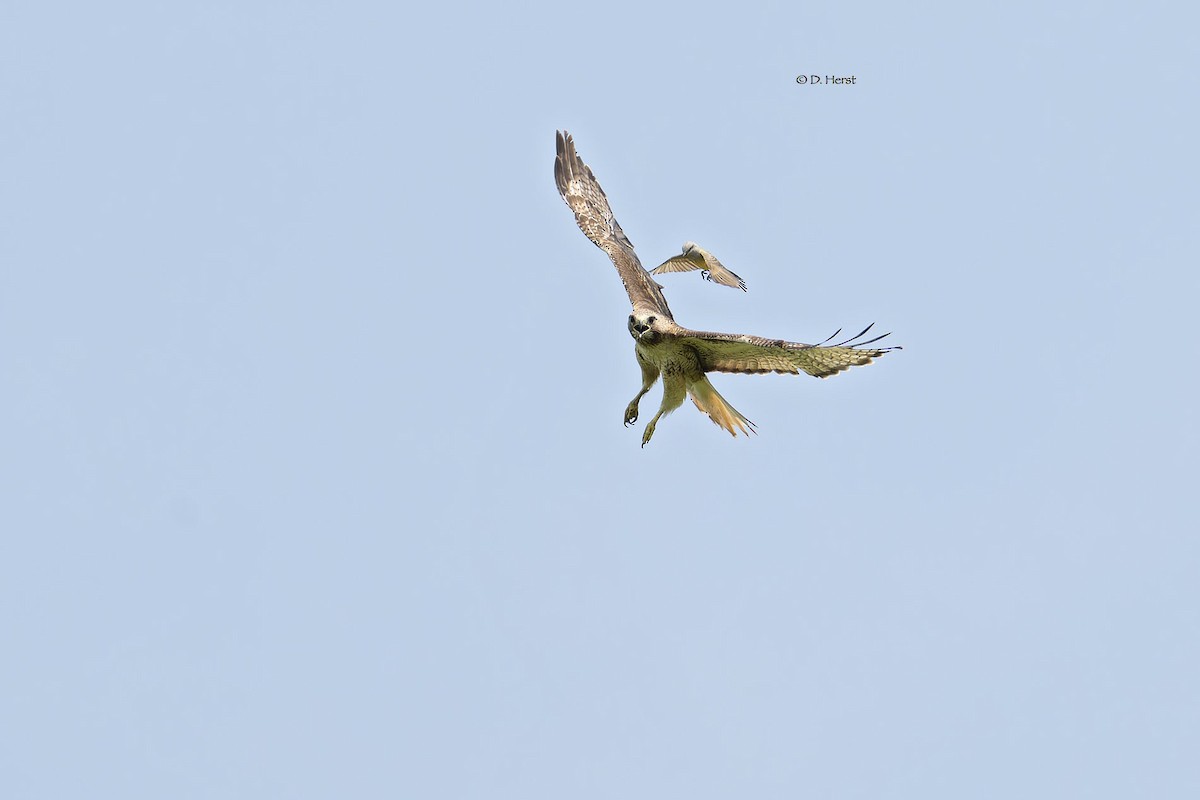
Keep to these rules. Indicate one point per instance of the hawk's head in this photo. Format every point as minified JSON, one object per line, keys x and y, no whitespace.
{"x":645,"y":326}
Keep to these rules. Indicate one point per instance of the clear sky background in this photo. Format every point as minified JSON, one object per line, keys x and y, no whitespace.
{"x":314,"y":478}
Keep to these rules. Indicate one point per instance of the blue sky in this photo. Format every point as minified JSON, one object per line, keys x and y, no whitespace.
{"x":315,"y":482}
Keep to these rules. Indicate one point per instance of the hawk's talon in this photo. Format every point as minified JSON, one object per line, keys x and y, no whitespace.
{"x":631,"y":414}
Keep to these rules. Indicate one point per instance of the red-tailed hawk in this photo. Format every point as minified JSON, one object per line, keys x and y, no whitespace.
{"x":682,"y":356}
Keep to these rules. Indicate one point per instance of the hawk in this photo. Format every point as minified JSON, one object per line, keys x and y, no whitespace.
{"x":682,"y":357}
{"x":696,"y":257}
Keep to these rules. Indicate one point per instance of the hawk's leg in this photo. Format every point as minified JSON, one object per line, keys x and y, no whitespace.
{"x":649,"y":376}
{"x":674,"y":391}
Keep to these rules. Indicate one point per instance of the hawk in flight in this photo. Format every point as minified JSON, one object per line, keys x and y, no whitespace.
{"x":682,"y":356}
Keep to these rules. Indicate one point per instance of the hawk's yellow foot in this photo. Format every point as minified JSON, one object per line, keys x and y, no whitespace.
{"x":649,"y":431}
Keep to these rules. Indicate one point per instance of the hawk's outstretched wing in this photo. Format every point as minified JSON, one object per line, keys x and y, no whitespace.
{"x":579,"y":187}
{"x":696,"y":257}
{"x":731,"y":352}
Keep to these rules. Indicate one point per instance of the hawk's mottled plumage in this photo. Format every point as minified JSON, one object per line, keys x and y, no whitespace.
{"x":682,"y":356}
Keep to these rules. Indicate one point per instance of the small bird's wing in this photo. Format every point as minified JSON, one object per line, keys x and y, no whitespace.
{"x":579,"y":187}
{"x":684,"y":262}
{"x":696,"y":258}
{"x":731,"y":352}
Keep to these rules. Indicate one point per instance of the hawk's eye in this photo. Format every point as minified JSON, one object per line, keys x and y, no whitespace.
{"x":650,"y":320}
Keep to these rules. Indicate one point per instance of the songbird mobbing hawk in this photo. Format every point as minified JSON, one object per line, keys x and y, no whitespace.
{"x":682,"y":356}
{"x":696,"y":257}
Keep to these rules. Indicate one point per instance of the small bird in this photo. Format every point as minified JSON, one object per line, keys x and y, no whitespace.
{"x":696,"y":257}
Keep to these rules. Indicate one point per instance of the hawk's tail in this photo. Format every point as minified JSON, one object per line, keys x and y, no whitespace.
{"x":709,"y":400}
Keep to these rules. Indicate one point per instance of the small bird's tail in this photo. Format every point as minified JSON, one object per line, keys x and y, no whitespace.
{"x":709,"y":400}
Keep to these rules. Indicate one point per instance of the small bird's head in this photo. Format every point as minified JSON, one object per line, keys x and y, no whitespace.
{"x":645,"y":326}
{"x":688,"y":247}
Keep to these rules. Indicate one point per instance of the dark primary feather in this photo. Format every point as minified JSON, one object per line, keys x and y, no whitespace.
{"x":860,"y":335}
